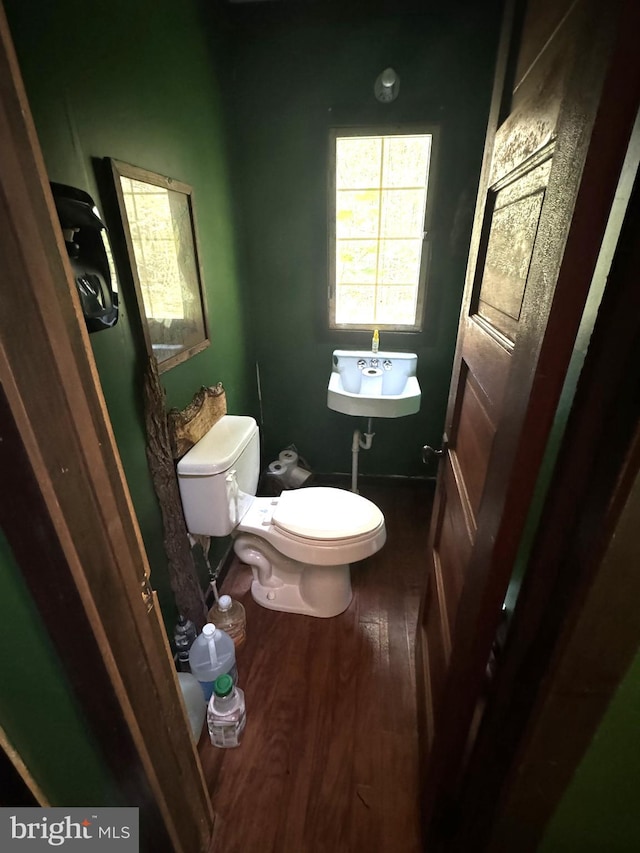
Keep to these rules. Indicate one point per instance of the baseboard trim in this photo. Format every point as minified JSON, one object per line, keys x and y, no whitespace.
{"x":374,"y":479}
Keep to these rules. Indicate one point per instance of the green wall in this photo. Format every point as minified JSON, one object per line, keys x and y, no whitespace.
{"x":133,"y":81}
{"x":37,"y":709}
{"x":294,"y":73}
{"x":599,"y":810}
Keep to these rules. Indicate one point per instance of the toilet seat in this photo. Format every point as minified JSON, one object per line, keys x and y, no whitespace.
{"x":297,"y":528}
{"x":326,"y":514}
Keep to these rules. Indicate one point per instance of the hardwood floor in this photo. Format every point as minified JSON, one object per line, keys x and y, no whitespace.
{"x":328,"y":760}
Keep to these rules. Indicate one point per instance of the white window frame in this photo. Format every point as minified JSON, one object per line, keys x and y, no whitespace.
{"x":374,"y":130}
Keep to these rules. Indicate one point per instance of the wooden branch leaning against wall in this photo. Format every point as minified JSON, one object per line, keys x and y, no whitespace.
{"x":168,"y":438}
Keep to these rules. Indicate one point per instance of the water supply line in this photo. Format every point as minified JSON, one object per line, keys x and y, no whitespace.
{"x":357,"y":443}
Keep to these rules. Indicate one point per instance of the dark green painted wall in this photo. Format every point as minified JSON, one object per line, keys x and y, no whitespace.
{"x":133,"y":81}
{"x":599,"y":811}
{"x":294,"y":75}
{"x":37,"y":710}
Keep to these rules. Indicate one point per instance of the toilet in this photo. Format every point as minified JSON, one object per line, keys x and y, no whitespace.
{"x":299,"y":545}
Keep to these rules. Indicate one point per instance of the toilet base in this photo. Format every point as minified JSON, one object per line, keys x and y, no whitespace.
{"x":281,"y":583}
{"x":325,"y":595}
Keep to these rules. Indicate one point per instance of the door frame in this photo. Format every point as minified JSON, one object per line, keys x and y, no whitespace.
{"x":65,"y":505}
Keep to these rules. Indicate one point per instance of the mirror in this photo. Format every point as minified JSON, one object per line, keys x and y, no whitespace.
{"x":159,"y":229}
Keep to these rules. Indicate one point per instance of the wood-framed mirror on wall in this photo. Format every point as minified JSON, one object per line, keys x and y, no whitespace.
{"x":159,"y":228}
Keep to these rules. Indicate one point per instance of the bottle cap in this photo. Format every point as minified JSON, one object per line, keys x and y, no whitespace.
{"x":209,"y":629}
{"x":224,"y":602}
{"x":223,"y":685}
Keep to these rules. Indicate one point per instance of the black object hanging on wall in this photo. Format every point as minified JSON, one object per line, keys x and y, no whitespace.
{"x":82,"y":229}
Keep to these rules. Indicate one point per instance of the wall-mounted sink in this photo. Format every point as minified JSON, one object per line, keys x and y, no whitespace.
{"x":374,"y":385}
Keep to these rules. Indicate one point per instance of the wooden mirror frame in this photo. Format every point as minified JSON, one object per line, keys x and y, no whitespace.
{"x":186,"y":343}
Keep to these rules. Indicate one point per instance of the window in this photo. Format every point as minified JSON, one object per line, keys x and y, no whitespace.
{"x":378,"y":213}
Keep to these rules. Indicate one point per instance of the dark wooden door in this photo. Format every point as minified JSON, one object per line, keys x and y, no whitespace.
{"x":556,"y":141}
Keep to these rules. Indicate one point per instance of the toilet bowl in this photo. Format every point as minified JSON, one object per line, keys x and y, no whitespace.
{"x":300,"y":545}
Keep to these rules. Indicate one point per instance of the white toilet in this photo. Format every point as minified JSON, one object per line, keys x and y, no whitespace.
{"x":298,"y":545}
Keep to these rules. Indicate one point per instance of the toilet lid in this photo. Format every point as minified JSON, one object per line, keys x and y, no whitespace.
{"x":326,"y":513}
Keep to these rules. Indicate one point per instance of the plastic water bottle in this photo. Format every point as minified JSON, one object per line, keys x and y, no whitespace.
{"x":211,"y":655}
{"x":229,"y":615}
{"x":226,"y":714}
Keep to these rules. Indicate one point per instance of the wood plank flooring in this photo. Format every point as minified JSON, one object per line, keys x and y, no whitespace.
{"x":329,"y":757}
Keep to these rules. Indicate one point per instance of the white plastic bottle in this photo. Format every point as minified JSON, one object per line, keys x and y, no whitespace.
{"x":211,"y":655}
{"x":229,"y":615}
{"x":226,"y":714}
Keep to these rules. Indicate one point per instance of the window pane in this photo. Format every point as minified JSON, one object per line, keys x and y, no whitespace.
{"x":406,"y":161}
{"x":358,"y":162}
{"x":396,"y":304}
{"x":403,"y":213}
{"x":378,"y":213}
{"x":355,"y":305}
{"x":357,"y":213}
{"x":399,"y":261}
{"x":356,"y":261}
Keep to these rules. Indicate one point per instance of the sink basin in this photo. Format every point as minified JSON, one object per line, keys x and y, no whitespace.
{"x":374,"y":385}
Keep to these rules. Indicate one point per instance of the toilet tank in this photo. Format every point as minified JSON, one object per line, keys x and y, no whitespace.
{"x":218,"y":477}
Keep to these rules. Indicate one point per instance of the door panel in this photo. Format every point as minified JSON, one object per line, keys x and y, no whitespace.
{"x":474,"y":434}
{"x":490,"y":373}
{"x":513,"y":225}
{"x":438,"y":646}
{"x":536,"y":237}
{"x":452,"y":544}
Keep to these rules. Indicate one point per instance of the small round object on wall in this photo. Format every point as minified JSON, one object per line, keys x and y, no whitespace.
{"x":387,"y":86}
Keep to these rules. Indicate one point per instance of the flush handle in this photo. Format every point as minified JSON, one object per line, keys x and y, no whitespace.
{"x":233,"y":495}
{"x":430,"y":454}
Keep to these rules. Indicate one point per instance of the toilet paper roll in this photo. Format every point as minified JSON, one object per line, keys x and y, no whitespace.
{"x":290,"y":477}
{"x":371,"y":384}
{"x":296,"y":477}
{"x":288,"y":458}
{"x":277,"y":469}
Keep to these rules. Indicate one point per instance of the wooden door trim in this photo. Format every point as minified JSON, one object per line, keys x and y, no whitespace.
{"x":22,"y":770}
{"x":40,"y":543}
{"x":72,"y":474}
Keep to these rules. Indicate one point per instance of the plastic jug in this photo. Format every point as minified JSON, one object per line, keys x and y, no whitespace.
{"x":229,"y":615}
{"x":194,"y":702}
{"x":212,"y":654}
